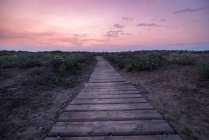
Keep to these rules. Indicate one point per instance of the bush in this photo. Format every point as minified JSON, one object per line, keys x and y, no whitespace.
{"x":27,"y":61}
{"x":57,"y":62}
{"x":145,"y":61}
{"x":118,"y":60}
{"x":19,"y":60}
{"x":183,"y":59}
{"x":204,"y":70}
{"x":40,"y":77}
{"x":68,"y":63}
{"x":54,"y":82}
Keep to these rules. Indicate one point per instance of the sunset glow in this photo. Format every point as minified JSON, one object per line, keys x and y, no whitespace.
{"x":103,"y":25}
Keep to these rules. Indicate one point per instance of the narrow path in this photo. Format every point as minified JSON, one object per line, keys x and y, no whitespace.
{"x":110,"y":108}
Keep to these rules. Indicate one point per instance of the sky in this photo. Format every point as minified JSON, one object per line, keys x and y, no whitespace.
{"x":104,"y":25}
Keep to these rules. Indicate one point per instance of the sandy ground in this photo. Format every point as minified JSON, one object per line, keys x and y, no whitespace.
{"x":28,"y":111}
{"x":179,"y":95}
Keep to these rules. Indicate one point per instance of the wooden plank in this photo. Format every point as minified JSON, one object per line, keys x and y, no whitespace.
{"x":116,"y":89}
{"x":108,"y":84}
{"x":97,"y":93}
{"x":108,"y":101}
{"x":110,"y":87}
{"x":110,"y":115}
{"x":119,"y":91}
{"x":105,"y":128}
{"x":104,"y":107}
{"x":107,"y":77}
{"x":150,"y":137}
{"x":86,"y":96}
{"x":105,"y":81}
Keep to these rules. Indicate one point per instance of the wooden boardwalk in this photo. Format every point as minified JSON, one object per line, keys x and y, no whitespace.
{"x":110,"y":108}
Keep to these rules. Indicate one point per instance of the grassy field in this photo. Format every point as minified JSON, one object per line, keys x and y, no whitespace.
{"x":35,"y":87}
{"x":175,"y":82}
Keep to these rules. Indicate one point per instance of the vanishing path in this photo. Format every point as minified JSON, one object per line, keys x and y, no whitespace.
{"x":110,"y":108}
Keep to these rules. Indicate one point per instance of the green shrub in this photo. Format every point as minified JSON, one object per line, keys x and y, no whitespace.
{"x":27,"y":61}
{"x":118,"y":60}
{"x":183,"y":59}
{"x":145,"y":61}
{"x":54,"y":82}
{"x":68,"y":63}
{"x":57,"y":62}
{"x":1,"y":73}
{"x":19,"y":60}
{"x":204,"y":70}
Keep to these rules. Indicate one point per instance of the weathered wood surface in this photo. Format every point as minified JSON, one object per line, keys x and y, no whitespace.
{"x":109,"y":101}
{"x":110,"y":108}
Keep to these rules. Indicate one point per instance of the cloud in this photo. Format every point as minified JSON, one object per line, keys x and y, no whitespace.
{"x":190,"y":10}
{"x":116,"y":33}
{"x":120,"y":26}
{"x":149,"y":1}
{"x":148,"y":25}
{"x":46,"y":38}
{"x":12,"y":34}
{"x":113,"y":33}
{"x":122,"y":33}
{"x":162,"y":20}
{"x":80,"y":35}
{"x":127,"y":18}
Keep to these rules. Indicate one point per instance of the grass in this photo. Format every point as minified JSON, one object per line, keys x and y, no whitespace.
{"x":151,"y":60}
{"x":204,"y":70}
{"x":47,"y":68}
{"x":19,"y":60}
{"x":138,"y":61}
{"x":183,"y":58}
{"x":68,"y":63}
{"x":145,"y":61}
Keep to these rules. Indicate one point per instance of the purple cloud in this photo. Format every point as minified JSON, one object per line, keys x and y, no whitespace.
{"x":80,"y":35}
{"x":122,"y":33}
{"x":190,"y":10}
{"x":120,"y":26}
{"x":148,"y":25}
{"x":162,"y":20}
{"x":12,"y":34}
{"x":112,"y":33}
{"x":127,"y":18}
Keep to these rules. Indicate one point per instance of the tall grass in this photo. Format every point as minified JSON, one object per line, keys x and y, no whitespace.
{"x":183,"y":58}
{"x":118,"y":60}
{"x":68,"y":63}
{"x":204,"y":70}
{"x":145,"y":61}
{"x":139,"y":61}
{"x":19,"y":61}
{"x":47,"y":68}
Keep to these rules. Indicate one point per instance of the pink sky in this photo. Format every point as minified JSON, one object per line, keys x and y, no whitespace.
{"x":103,"y":25}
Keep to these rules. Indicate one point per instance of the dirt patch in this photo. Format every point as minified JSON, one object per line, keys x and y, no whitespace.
{"x":29,"y":109}
{"x":179,"y":95}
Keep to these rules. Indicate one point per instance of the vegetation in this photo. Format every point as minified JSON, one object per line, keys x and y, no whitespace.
{"x":48,"y":68}
{"x":35,"y":86}
{"x":139,"y":61}
{"x":67,"y":63}
{"x":151,"y":60}
{"x":19,"y":60}
{"x":183,"y":58}
{"x":145,"y":61}
{"x":204,"y":70}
